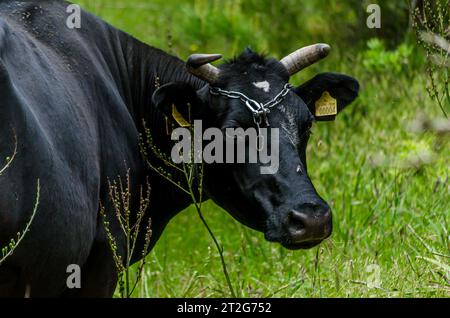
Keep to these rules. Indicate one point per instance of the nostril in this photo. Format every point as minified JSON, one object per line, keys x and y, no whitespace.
{"x":309,"y":226}
{"x":296,"y":220}
{"x":298,"y":216}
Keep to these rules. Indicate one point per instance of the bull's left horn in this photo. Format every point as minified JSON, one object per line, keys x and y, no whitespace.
{"x":198,"y":65}
{"x":304,"y":57}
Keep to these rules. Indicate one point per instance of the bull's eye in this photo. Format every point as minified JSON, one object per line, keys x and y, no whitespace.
{"x":231,"y":124}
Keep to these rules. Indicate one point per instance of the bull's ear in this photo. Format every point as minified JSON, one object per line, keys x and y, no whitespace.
{"x":177,"y":101}
{"x":327,"y":94}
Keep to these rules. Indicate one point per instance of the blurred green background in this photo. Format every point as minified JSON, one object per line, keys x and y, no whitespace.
{"x":386,"y":182}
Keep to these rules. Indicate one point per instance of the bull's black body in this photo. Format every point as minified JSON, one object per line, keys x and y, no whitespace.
{"x":74,"y":100}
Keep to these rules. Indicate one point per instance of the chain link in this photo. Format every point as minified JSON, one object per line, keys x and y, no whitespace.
{"x":259,"y":110}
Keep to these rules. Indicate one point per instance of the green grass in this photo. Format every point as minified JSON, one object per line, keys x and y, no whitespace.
{"x":386,"y":213}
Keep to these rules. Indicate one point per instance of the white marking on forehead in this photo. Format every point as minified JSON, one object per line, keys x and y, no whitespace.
{"x":265,"y":85}
{"x":289,"y":125}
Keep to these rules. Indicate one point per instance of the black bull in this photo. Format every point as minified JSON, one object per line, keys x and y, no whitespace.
{"x":73,"y":100}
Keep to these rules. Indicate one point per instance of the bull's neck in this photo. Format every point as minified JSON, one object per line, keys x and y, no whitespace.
{"x":149,"y":68}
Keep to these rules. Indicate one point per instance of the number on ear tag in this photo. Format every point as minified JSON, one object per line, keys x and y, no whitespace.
{"x":326,"y":105}
{"x":179,"y":118}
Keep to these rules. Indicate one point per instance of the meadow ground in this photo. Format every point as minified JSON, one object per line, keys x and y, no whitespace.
{"x":387,"y":185}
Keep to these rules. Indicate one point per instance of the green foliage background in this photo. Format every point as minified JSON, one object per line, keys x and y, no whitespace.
{"x":388,"y":186}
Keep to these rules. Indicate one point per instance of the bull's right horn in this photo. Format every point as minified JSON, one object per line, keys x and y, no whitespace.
{"x":304,"y":57}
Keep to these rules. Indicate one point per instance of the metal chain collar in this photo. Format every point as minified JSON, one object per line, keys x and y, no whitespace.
{"x":259,"y":110}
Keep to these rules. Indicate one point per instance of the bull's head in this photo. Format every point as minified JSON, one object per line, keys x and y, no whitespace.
{"x":284,"y":205}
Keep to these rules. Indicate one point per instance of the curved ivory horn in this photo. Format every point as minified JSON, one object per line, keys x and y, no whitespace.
{"x":305,"y":57}
{"x":198,"y":65}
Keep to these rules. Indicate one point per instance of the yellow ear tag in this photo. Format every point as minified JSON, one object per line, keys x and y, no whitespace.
{"x":326,"y":105}
{"x":179,"y":118}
